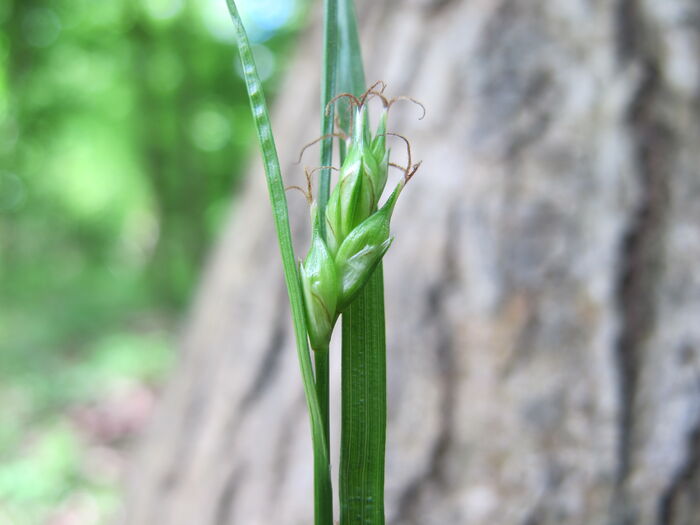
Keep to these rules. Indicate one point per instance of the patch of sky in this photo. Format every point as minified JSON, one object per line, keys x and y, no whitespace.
{"x":262,"y":18}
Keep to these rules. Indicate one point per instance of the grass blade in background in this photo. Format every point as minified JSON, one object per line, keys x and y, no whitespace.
{"x":363,"y":419}
{"x":328,"y":91}
{"x":322,"y":480}
{"x":350,"y":76}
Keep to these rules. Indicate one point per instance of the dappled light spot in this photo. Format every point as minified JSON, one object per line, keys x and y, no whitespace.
{"x":41,"y":27}
{"x":12,"y":192}
{"x":210,"y":130}
{"x":262,"y":18}
{"x":163,"y":9}
{"x":8,"y":131}
{"x":165,"y":71}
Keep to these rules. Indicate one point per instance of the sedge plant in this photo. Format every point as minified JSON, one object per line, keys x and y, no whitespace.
{"x":341,"y":275}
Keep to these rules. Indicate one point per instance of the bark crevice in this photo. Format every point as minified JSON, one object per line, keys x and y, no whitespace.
{"x":640,"y":254}
{"x":684,"y":483}
{"x":640,"y":257}
{"x":224,"y":503}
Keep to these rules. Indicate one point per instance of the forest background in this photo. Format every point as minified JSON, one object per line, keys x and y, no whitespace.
{"x":124,"y":130}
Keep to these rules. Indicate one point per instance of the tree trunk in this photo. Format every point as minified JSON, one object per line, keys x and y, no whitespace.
{"x":543,"y":298}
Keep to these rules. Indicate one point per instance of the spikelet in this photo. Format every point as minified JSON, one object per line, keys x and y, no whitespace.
{"x":320,"y":287}
{"x":362,"y":250}
{"x":357,"y":232}
{"x":363,"y":176}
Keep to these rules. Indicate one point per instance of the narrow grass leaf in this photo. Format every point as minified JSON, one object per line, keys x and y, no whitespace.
{"x":322,"y":480}
{"x":363,"y":375}
{"x":363,"y":420}
{"x":328,"y":91}
{"x":350,"y":77}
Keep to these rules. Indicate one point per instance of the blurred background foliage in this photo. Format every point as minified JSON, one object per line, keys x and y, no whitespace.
{"x":124,"y":128}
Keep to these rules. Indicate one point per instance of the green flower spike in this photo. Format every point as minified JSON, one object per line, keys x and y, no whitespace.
{"x":363,"y":177}
{"x":348,"y":204}
{"x":357,"y":234}
{"x":362,"y":250}
{"x":379,"y":171}
{"x":319,"y":280}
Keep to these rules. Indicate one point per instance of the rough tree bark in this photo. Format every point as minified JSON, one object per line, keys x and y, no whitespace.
{"x":543,"y":291}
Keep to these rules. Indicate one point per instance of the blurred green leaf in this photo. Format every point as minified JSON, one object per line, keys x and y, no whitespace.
{"x":124,"y":131}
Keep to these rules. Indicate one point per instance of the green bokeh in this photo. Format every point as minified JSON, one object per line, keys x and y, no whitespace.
{"x":124,"y":129}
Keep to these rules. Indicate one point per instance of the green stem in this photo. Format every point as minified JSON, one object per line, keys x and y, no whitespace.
{"x":321,"y":362}
{"x":321,"y":355}
{"x":323,"y":491}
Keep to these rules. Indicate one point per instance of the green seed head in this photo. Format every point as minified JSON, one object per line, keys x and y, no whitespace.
{"x":349,"y":201}
{"x":357,"y":233}
{"x":375,"y":157}
{"x":362,"y":179}
{"x":380,"y":154}
{"x":379,"y":140}
{"x":361,"y":251}
{"x":319,"y":281}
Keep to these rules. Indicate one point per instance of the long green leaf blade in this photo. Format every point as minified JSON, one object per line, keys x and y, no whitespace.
{"x":350,"y":76}
{"x":363,"y":372}
{"x":328,"y":91}
{"x":328,"y":74}
{"x":363,"y":433}
{"x":322,"y":480}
